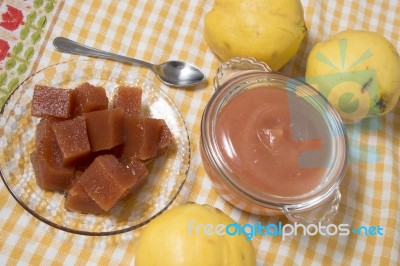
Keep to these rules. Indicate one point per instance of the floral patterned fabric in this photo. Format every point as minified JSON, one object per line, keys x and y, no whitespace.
{"x":22,"y":26}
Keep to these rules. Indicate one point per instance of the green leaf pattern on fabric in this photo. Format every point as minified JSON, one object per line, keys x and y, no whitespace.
{"x":3,"y":79}
{"x":21,"y":57}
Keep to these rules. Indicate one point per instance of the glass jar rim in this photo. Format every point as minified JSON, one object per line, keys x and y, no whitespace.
{"x":253,"y":78}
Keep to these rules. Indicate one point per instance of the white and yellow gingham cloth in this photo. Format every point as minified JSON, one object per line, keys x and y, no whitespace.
{"x":157,"y":31}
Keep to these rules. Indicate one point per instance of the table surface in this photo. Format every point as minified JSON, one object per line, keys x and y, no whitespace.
{"x":173,"y":29}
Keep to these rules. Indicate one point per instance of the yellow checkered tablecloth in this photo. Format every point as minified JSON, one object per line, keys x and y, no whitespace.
{"x":160,"y":30}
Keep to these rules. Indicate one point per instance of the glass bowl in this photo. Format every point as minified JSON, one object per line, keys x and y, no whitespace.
{"x":167,"y":173}
{"x":250,"y":147}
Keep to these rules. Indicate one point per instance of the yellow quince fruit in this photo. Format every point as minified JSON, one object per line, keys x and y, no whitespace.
{"x":359,"y":73}
{"x":267,"y":30}
{"x":191,"y":235}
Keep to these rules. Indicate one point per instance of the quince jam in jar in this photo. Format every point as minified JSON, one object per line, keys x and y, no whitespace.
{"x":273,"y":145}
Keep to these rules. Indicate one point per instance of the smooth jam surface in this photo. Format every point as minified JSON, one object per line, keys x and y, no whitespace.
{"x":276,"y":143}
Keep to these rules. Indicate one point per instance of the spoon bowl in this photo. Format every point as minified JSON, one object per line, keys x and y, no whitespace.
{"x":171,"y":73}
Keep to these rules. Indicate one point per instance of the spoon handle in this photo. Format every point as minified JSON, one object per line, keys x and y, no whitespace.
{"x":69,"y":46}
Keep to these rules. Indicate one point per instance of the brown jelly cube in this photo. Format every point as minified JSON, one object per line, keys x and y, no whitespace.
{"x":156,"y":138}
{"x":50,"y":176}
{"x":47,"y":159}
{"x":49,"y":101}
{"x":105,"y":181}
{"x":165,"y":138}
{"x":44,"y":131}
{"x":133,"y":130}
{"x":89,"y":98}
{"x":72,"y":138}
{"x":130,"y":99}
{"x":78,"y":200}
{"x":145,"y":138}
{"x":135,"y":169}
{"x":105,"y":128}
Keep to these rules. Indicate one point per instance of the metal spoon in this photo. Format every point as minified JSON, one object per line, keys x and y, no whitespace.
{"x":172,"y":73}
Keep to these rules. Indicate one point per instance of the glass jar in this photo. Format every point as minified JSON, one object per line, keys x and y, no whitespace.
{"x":254,"y":147}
